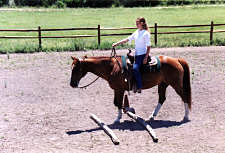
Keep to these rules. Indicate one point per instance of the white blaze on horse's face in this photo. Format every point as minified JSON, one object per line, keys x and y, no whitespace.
{"x":77,"y":72}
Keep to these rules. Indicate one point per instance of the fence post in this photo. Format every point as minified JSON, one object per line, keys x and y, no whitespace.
{"x":156,"y":34}
{"x":99,"y":35}
{"x":39,"y":38}
{"x":211,"y":33}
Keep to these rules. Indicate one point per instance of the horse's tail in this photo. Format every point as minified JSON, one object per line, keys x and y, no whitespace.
{"x":186,"y":82}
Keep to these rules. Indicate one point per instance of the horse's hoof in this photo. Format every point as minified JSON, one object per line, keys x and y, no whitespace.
{"x":155,"y":140}
{"x":132,"y":110}
{"x":151,"y":118}
{"x":185,"y":119}
{"x":117,"y":121}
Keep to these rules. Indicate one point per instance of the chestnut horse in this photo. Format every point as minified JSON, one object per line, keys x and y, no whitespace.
{"x":174,"y":72}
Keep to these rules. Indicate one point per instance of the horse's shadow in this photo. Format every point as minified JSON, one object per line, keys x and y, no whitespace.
{"x":133,"y":126}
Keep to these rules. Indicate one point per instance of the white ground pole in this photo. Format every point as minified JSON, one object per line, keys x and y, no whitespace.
{"x":107,"y":130}
{"x":142,"y":122}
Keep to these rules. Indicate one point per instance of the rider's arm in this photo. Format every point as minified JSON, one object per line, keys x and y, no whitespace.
{"x":130,"y":38}
{"x":147,"y":54}
{"x":148,"y":51}
{"x":120,"y":42}
{"x":148,"y":43}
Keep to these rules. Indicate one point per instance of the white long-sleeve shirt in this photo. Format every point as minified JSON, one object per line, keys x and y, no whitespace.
{"x":142,"y":40}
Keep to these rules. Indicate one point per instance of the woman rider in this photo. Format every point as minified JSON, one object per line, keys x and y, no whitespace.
{"x":142,"y":48}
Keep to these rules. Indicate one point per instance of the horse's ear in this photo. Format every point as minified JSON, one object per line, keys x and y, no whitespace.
{"x":74,"y":58}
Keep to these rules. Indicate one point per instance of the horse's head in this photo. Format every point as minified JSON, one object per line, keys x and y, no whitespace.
{"x":78,"y":72}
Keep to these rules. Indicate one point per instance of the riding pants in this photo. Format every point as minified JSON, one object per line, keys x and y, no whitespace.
{"x":136,"y":70}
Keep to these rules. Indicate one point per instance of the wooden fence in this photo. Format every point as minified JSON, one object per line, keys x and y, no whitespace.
{"x":39,"y":30}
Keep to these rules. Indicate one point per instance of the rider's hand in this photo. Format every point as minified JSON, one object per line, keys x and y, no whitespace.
{"x":145,"y":60}
{"x":114,"y":44}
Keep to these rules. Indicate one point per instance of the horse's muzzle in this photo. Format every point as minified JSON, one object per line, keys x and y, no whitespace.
{"x":74,"y":84}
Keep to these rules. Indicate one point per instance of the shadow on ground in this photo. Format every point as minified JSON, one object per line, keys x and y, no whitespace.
{"x":133,"y":126}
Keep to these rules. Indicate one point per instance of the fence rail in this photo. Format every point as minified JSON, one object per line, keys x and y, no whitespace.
{"x":39,"y":30}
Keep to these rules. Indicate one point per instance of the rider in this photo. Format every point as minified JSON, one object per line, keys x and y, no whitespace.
{"x":142,"y":48}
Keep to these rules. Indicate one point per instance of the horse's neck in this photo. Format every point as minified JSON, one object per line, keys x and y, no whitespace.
{"x":99,"y":67}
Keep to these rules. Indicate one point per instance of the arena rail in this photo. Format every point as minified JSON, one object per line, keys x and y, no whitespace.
{"x":39,"y":31}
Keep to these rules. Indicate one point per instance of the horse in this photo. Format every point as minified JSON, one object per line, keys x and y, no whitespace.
{"x":174,"y":72}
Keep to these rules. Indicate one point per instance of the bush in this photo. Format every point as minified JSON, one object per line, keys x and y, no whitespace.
{"x":47,"y":3}
{"x":174,"y":2}
{"x":155,"y":2}
{"x":4,"y":2}
{"x":99,"y":3}
{"x":142,"y":3}
{"x":107,"y":3}
{"x":89,"y":3}
{"x":74,"y":3}
{"x":28,"y":2}
{"x":1,"y":3}
{"x":134,"y":3}
{"x":116,"y":3}
{"x":60,"y":4}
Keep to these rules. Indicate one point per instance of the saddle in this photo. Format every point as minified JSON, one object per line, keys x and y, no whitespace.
{"x":153,"y":65}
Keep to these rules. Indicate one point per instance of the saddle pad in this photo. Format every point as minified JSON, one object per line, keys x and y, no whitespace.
{"x":153,"y":66}
{"x":124,"y":62}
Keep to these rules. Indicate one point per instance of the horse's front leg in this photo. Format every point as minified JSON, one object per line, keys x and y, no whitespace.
{"x":118,"y":101}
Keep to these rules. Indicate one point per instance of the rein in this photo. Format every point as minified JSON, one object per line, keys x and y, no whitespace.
{"x":114,"y":55}
{"x":89,"y":83}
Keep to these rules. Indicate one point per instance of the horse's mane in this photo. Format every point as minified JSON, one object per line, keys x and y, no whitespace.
{"x":116,"y":67}
{"x":99,"y":57}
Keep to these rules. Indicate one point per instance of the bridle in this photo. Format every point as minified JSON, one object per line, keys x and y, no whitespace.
{"x":114,"y":55}
{"x":85,"y":86}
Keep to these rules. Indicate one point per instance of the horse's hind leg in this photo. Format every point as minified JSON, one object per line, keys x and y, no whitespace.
{"x":162,"y":97}
{"x":179,"y":91}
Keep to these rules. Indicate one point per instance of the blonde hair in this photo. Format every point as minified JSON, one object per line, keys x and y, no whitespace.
{"x":143,"y":23}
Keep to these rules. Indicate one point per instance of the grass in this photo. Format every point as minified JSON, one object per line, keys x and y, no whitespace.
{"x":31,"y":18}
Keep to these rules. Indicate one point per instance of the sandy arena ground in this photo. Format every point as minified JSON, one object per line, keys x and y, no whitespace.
{"x":41,"y":113}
